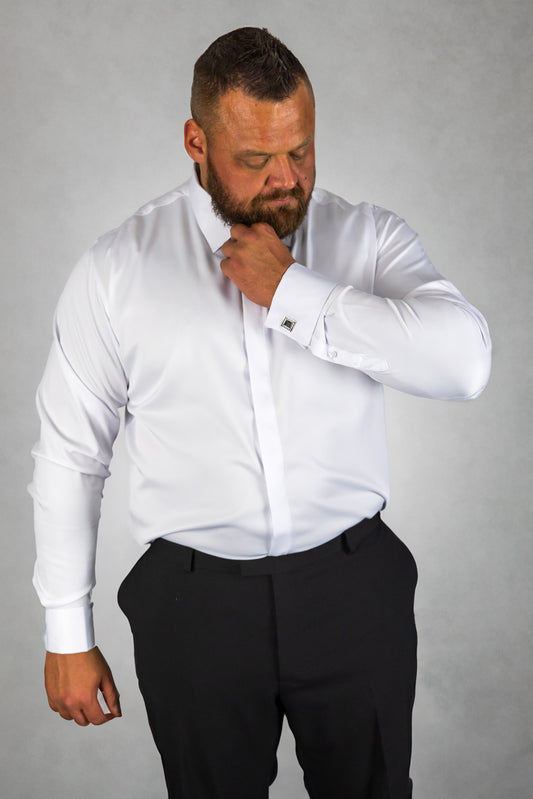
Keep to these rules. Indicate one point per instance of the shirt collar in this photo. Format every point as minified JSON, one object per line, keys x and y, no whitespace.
{"x":213,"y":228}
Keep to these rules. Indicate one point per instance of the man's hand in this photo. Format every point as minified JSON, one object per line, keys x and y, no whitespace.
{"x":72,"y":683}
{"x":256,"y":260}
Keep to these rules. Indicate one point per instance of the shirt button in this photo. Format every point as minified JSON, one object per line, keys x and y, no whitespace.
{"x":332,"y":353}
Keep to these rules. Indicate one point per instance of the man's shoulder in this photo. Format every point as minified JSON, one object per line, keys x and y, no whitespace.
{"x":333,"y":213}
{"x":142,"y":222}
{"x":331,"y":207}
{"x":335,"y":204}
{"x":168,"y":198}
{"x":115,"y":253}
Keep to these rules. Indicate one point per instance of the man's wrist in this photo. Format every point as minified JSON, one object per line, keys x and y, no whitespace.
{"x":298,"y":303}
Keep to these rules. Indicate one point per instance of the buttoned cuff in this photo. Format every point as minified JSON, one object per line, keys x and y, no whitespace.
{"x":299,"y":303}
{"x":69,"y":630}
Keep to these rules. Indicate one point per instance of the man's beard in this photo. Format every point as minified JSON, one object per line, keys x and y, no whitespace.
{"x":285,"y":219}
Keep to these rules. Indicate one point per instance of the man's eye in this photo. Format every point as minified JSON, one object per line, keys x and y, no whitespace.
{"x":297,"y":156}
{"x":256,"y":163}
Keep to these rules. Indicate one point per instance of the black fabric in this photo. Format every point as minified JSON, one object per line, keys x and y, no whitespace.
{"x":225,"y":649}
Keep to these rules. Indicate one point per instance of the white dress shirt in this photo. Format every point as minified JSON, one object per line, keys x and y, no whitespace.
{"x":249,"y":433}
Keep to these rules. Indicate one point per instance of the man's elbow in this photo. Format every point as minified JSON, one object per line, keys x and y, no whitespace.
{"x":471,"y":372}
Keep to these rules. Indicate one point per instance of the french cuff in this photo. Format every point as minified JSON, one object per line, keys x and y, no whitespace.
{"x":298,"y":303}
{"x":69,"y":630}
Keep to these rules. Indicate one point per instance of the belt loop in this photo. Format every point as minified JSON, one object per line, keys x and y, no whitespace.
{"x":349,"y":545}
{"x":353,"y":537}
{"x":188,"y":564}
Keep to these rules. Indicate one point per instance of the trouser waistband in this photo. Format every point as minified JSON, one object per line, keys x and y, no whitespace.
{"x":192,"y":559}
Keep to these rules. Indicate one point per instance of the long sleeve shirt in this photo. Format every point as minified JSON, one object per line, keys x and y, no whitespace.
{"x":250,"y":432}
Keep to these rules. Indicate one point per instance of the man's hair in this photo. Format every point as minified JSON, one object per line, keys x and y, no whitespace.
{"x":249,"y":59}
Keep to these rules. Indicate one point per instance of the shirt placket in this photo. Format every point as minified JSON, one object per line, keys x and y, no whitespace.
{"x":269,"y":440}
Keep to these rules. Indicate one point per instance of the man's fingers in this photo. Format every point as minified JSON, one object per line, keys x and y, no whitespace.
{"x":227,"y":267}
{"x":73,"y":715}
{"x":229,"y":248}
{"x":238,"y":230}
{"x":95,"y":715}
{"x":111,"y":695}
{"x":90,"y":713}
{"x":80,"y":718}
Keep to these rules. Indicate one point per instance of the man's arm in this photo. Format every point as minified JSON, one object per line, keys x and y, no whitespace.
{"x":79,"y":397}
{"x":414,"y":332}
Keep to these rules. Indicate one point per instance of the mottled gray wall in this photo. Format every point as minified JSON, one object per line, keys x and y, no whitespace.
{"x":424,"y":106}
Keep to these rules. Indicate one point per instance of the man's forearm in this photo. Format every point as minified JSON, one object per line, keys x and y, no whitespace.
{"x":67,"y":510}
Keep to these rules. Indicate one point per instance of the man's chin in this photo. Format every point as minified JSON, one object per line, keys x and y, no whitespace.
{"x":285,"y":218}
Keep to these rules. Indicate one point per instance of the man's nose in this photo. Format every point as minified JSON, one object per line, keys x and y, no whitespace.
{"x":282,"y":175}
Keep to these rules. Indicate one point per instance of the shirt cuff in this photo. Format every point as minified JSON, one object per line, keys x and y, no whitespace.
{"x":69,"y":630}
{"x":298,"y":303}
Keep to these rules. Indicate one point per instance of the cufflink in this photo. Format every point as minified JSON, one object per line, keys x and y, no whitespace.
{"x":288,"y":324}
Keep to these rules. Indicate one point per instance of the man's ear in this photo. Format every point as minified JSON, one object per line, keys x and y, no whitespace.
{"x":195,"y":141}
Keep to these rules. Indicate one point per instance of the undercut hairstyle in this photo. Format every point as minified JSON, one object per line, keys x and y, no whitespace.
{"x":249,"y":59}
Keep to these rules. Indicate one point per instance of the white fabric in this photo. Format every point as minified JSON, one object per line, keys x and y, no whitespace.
{"x":249,"y":433}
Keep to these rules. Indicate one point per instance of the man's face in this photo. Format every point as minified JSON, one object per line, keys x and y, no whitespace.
{"x":260,"y":160}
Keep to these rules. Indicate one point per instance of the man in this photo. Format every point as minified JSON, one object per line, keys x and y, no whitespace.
{"x":248,"y":324}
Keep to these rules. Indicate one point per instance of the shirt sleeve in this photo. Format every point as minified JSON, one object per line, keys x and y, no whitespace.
{"x":414,"y":331}
{"x":78,"y":400}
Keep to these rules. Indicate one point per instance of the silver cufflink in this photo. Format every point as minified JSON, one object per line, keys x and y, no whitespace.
{"x":288,"y":324}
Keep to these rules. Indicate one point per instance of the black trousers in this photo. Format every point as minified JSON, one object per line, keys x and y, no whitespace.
{"x":225,"y":649}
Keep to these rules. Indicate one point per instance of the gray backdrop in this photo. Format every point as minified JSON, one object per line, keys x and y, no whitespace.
{"x":423,"y":107}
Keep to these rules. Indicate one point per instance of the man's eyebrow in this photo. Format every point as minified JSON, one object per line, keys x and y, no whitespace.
{"x":251,"y":153}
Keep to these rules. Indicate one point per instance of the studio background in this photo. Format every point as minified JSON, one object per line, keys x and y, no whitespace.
{"x":424,"y":107}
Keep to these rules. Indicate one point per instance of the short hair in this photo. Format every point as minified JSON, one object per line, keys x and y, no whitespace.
{"x":249,"y":59}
